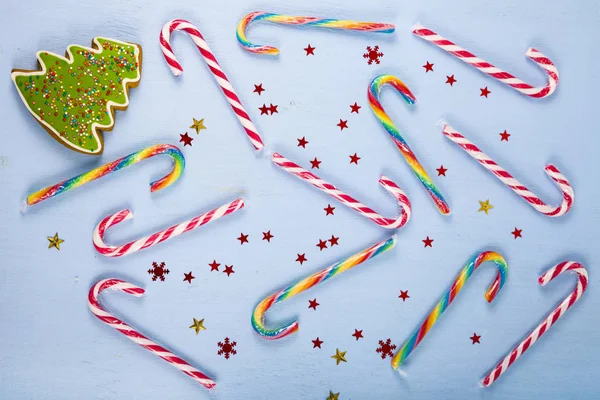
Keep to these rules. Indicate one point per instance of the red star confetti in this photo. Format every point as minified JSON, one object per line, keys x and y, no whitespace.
{"x":313,"y":304}
{"x":258,"y":89}
{"x":302,"y":142}
{"x":354,"y":159}
{"x":373,"y":54}
{"x":243,"y":238}
{"x":427,"y":242}
{"x":333,"y":241}
{"x":322,"y":244}
{"x":158,"y":271}
{"x":441,"y":170}
{"x":450,"y":79}
{"x":273,"y":109}
{"x":329,"y":210}
{"x":504,"y":135}
{"x":186,"y":139}
{"x":354,"y":108}
{"x":188,"y":277}
{"x":342,"y":124}
{"x":214,"y":266}
{"x":264,"y":109}
{"x":358,"y":334}
{"x":228,"y":270}
{"x":386,"y":348}
{"x":267,"y":236}
{"x":484,"y":92}
{"x":301,"y":258}
{"x":317,"y":343}
{"x":517,"y":233}
{"x":428,"y":67}
{"x":475,"y":338}
{"x":227,"y":348}
{"x":310,"y":50}
{"x":315,"y":163}
{"x":404,"y":295}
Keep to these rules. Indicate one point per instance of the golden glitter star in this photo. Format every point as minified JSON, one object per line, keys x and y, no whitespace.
{"x":198,"y":125}
{"x":55,"y":241}
{"x":333,"y":396}
{"x":197,"y":325}
{"x":339,"y":356}
{"x":485,"y":206}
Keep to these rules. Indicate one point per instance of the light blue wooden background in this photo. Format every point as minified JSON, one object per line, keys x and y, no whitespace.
{"x":51,"y":347}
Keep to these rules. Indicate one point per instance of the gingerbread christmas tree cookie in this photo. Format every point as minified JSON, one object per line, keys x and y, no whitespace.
{"x":74,"y":97}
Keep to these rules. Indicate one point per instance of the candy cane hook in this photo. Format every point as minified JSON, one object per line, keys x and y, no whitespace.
{"x":135,"y":336}
{"x":158,"y":237}
{"x":449,"y":297}
{"x":349,"y":201}
{"x":541,"y":60}
{"x":123,"y":162}
{"x":506,"y":178}
{"x":376,"y":27}
{"x":258,"y":316}
{"x":373,"y":93}
{"x":550,"y":320}
{"x":215,"y":68}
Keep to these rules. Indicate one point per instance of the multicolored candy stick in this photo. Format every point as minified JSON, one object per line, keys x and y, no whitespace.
{"x":373,"y":93}
{"x":124,"y":162}
{"x":376,"y":27}
{"x":550,"y":320}
{"x":258,"y":316}
{"x":449,"y":297}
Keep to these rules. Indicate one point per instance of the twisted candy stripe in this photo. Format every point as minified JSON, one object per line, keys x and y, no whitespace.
{"x":295,"y":20}
{"x":543,"y":327}
{"x":158,"y":237}
{"x":96,"y":173}
{"x":135,"y":336}
{"x":541,"y":60}
{"x":506,"y":178}
{"x":258,"y":316}
{"x":215,"y":68}
{"x":449,"y":297}
{"x":348,"y":201}
{"x":373,"y":93}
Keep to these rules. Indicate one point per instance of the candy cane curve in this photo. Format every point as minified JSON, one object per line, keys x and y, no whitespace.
{"x":449,"y":297}
{"x":158,"y":237}
{"x":553,"y":173}
{"x":215,"y":68}
{"x":373,"y":93}
{"x":135,"y":336}
{"x":550,"y":320}
{"x":389,"y":185}
{"x":541,"y":60}
{"x":256,"y":16}
{"x":123,"y":162}
{"x":258,"y":316}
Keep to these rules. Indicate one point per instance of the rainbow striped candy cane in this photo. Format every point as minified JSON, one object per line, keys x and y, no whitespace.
{"x":135,"y":336}
{"x":123,"y":162}
{"x":449,"y":297}
{"x":541,"y":60}
{"x":295,"y":20}
{"x":373,"y":93}
{"x":543,"y":327}
{"x":517,"y":187}
{"x":258,"y":316}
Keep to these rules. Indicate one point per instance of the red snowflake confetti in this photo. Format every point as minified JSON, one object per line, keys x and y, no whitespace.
{"x":313,"y":304}
{"x":228,"y":270}
{"x":310,"y":50}
{"x":517,"y":232}
{"x":188,"y":277}
{"x":264,"y":109}
{"x":214,"y":266}
{"x":227,"y":348}
{"x":342,"y":124}
{"x":317,"y":343}
{"x":386,"y":348}
{"x":329,"y":210}
{"x":427,"y":242}
{"x":475,"y":338}
{"x":484,"y":92}
{"x":441,"y":170}
{"x":267,"y":236}
{"x":404,"y":295}
{"x":354,"y":108}
{"x":354,"y":159}
{"x":450,"y":79}
{"x":258,"y":89}
{"x":302,"y":142}
{"x":243,"y":239}
{"x":315,"y":163}
{"x":373,"y":54}
{"x":158,"y":271}
{"x":301,"y":258}
{"x":428,"y":67}
{"x":358,"y":334}
{"x":504,"y":135}
{"x":322,"y":244}
{"x":186,"y":139}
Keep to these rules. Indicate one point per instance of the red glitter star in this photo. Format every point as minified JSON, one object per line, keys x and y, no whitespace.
{"x":310,"y":50}
{"x":267,"y":236}
{"x":186,"y":139}
{"x":517,"y":232}
{"x":317,"y":343}
{"x":333,"y":241}
{"x":301,"y":258}
{"x":354,"y":159}
{"x":329,"y":210}
{"x":258,"y":89}
{"x":273,"y":109}
{"x":404,"y":295}
{"x":243,"y":238}
{"x":504,"y":135}
{"x":428,"y":67}
{"x":322,"y":244}
{"x":188,"y":277}
{"x":357,"y":334}
{"x":302,"y":142}
{"x":315,"y":163}
{"x":264,"y":109}
{"x":450,"y":79}
{"x":228,"y":270}
{"x":355,"y":107}
{"x":342,"y":124}
{"x":484,"y":92}
{"x":428,"y":242}
{"x":214,"y":266}
{"x":441,"y":170}
{"x":313,"y":304}
{"x":475,"y":338}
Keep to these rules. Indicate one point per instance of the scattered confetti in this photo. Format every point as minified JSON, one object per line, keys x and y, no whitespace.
{"x":427,"y":242}
{"x":227,"y":348}
{"x":450,"y":79}
{"x":485,"y":206}
{"x":517,"y":233}
{"x":186,"y":139}
{"x":354,"y":108}
{"x":243,"y":239}
{"x":322,"y":244}
{"x":484,"y":92}
{"x":333,"y":241}
{"x":358,"y":334}
{"x":310,"y":50}
{"x":373,"y":54}
{"x":475,"y":338}
{"x":198,"y":125}
{"x":302,"y":142}
{"x":342,"y":124}
{"x":315,"y":163}
{"x":404,"y":295}
{"x":386,"y":348}
{"x":301,"y":258}
{"x":264,"y":109}
{"x":188,"y":277}
{"x":313,"y":304}
{"x":354,"y":159}
{"x":329,"y":210}
{"x":55,"y":241}
{"x":267,"y":236}
{"x":198,"y":325}
{"x":428,"y":67}
{"x":258,"y":89}
{"x":339,"y":356}
{"x":158,"y":271}
{"x":273,"y":108}
{"x":504,"y":135}
{"x":228,"y":270}
{"x":317,"y":343}
{"x":441,"y":170}
{"x":214,"y":266}
{"x":333,"y":396}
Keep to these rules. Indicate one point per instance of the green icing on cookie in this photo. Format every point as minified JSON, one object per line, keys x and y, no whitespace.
{"x":73,"y":97}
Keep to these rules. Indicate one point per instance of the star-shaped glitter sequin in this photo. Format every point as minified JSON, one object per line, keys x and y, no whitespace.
{"x":267,"y":236}
{"x":517,"y":233}
{"x":329,"y":210}
{"x":354,"y":108}
{"x":475,"y":338}
{"x":484,"y":92}
{"x":228,"y":270}
{"x":310,"y":50}
{"x":313,"y":304}
{"x":317,"y":343}
{"x":55,"y":241}
{"x":322,"y":244}
{"x":198,"y":325}
{"x":301,"y":258}
{"x":485,"y":206}
{"x":273,"y":109}
{"x":504,"y":136}
{"x":258,"y":89}
{"x":441,"y":170}
{"x":342,"y":124}
{"x":198,"y":125}
{"x":333,"y":241}
{"x":188,"y":277}
{"x":450,"y":79}
{"x":339,"y":356}
{"x":404,"y":295}
{"x":315,"y":163}
{"x":264,"y":109}
{"x":302,"y":142}
{"x":186,"y":139}
{"x":333,"y":396}
{"x":428,"y":67}
{"x":358,"y":334}
{"x":427,"y":242}
{"x":354,"y":159}
{"x":214,"y":266}
{"x":243,"y":239}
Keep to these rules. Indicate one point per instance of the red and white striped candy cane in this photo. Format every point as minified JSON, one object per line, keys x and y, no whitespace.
{"x":135,"y":336}
{"x":506,"y":178}
{"x":391,"y":187}
{"x":215,"y":68}
{"x":541,"y":60}
{"x":158,"y":237}
{"x":550,"y":320}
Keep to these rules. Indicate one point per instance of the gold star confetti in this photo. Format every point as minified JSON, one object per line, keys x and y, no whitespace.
{"x":485,"y":206}
{"x":198,"y":125}
{"x":55,"y":241}
{"x":333,"y":396}
{"x":339,"y":356}
{"x":197,"y":325}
